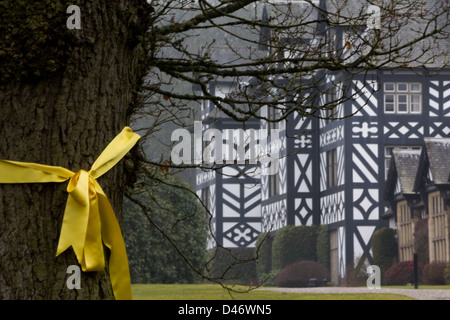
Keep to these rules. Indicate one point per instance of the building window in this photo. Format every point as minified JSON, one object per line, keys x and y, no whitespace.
{"x":388,"y":155}
{"x":405,"y":232}
{"x":438,"y":229}
{"x":332,"y":168}
{"x":331,"y":97}
{"x":403,"y":97}
{"x":274,"y":185}
{"x":273,"y":117}
{"x":332,"y":37}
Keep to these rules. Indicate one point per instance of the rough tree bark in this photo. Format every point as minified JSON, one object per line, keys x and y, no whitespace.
{"x":64,"y":94}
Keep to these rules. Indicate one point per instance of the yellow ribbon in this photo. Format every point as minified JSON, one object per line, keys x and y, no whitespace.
{"x":89,"y":218}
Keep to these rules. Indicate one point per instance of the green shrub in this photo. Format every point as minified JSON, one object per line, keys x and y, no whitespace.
{"x":179,"y":214}
{"x":384,"y":248}
{"x":299,"y":273}
{"x":434,"y":273}
{"x":323,"y":246}
{"x":232,"y":266}
{"x":294,"y":243}
{"x":355,"y":275}
{"x":263,"y":252}
{"x":447,"y":274}
{"x":268,"y":279}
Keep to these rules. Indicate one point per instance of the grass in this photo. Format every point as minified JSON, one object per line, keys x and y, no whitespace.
{"x":216,"y":292}
{"x":420,"y":287}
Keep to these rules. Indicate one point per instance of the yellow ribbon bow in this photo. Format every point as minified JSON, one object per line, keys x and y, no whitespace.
{"x":89,"y":218}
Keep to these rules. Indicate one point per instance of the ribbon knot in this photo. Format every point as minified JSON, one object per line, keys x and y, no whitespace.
{"x":89,"y":220}
{"x":79,"y":183}
{"x":81,"y":227}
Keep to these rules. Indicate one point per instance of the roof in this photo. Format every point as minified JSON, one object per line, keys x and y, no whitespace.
{"x":236,"y":43}
{"x":438,"y":155}
{"x":406,"y":162}
{"x":402,"y":173}
{"x":398,"y":27}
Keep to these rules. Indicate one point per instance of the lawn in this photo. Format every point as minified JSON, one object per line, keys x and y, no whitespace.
{"x":420,"y":287}
{"x":216,"y":292}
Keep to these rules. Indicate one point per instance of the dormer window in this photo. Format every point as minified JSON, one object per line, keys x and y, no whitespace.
{"x":388,"y":150}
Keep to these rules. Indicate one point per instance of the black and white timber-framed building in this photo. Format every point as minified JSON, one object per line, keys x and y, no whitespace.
{"x":336,"y":170}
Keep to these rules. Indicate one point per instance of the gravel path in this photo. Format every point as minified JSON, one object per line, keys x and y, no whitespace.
{"x":419,"y":294}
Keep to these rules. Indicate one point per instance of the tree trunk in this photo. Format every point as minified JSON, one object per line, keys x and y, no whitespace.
{"x":64,"y":95}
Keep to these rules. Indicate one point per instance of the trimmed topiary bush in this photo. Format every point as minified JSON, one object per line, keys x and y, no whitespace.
{"x":293,"y":244}
{"x":268,"y":279}
{"x":323,"y":246}
{"x":401,"y":273}
{"x":384,"y":248}
{"x":434,"y":273}
{"x":263,"y":254}
{"x":299,"y":273}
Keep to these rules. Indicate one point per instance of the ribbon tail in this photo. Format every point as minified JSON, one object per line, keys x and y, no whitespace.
{"x":94,"y":257}
{"x":73,"y":229}
{"x":112,"y":238}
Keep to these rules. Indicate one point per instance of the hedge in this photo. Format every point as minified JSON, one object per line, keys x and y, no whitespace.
{"x":292,"y":244}
{"x":323,"y":246}
{"x":434,"y":273}
{"x":235,"y":266}
{"x":264,"y":256}
{"x":384,"y":248}
{"x":447,"y":274}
